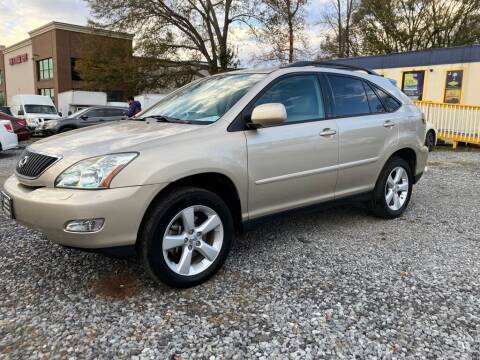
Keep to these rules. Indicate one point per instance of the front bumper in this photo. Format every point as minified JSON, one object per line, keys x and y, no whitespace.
{"x":49,"y":209}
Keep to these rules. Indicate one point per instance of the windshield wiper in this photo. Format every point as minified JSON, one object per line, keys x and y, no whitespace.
{"x":163,"y":118}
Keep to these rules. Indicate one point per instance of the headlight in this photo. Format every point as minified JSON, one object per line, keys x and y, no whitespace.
{"x":51,"y":123}
{"x":94,"y":173}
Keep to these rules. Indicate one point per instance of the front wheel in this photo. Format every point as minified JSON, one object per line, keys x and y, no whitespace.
{"x":186,"y":237}
{"x":393,"y":189}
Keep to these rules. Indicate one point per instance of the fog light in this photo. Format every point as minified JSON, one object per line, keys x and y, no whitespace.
{"x":87,"y":225}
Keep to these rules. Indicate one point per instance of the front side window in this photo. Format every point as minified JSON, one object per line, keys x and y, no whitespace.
{"x":45,"y":69}
{"x":206,"y":101}
{"x":95,"y":113}
{"x":40,"y":109}
{"x":349,"y":96}
{"x":301,"y":96}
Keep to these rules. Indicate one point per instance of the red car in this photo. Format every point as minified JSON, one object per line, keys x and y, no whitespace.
{"x":19,"y":126}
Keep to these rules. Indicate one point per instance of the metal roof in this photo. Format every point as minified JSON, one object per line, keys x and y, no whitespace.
{"x":453,"y":55}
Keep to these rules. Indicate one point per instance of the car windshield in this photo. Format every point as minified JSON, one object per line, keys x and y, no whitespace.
{"x":40,"y":109}
{"x":206,"y":101}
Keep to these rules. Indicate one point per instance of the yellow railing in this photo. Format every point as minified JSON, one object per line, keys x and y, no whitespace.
{"x":455,"y":123}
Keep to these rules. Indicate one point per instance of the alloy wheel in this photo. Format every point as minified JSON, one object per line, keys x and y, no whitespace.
{"x":397,"y":188}
{"x":193,"y":240}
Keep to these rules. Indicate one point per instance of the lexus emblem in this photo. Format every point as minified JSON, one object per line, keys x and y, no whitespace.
{"x":22,"y":162}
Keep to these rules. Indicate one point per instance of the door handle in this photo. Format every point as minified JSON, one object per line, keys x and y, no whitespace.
{"x":327,"y":132}
{"x":388,"y":124}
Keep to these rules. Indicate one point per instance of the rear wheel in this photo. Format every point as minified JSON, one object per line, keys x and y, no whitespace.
{"x":186,"y":237}
{"x":393,"y":189}
{"x":430,"y":140}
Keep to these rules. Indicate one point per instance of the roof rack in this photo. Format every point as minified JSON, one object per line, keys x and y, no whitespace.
{"x":332,"y":65}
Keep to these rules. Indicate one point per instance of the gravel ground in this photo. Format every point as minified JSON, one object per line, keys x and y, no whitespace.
{"x":337,"y":283}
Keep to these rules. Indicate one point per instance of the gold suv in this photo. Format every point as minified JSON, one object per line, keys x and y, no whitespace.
{"x":178,"y":180}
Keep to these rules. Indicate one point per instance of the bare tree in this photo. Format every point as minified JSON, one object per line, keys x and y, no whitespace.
{"x":176,"y":30}
{"x":341,"y":39}
{"x":280,"y":29}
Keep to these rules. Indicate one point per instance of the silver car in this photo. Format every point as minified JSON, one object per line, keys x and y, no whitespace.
{"x":218,"y":154}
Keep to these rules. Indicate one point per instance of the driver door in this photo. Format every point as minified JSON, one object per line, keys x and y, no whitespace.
{"x":293,"y":164}
{"x":92,"y":117}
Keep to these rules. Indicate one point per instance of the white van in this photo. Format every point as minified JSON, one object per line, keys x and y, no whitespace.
{"x":35,"y":109}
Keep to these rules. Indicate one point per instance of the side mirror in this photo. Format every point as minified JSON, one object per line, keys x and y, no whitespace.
{"x":84,"y":117}
{"x":20,"y":113}
{"x":60,"y":114}
{"x":268,"y":115}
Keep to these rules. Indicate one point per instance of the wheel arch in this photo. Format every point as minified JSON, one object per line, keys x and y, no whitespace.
{"x":215,"y":182}
{"x":407,"y":154}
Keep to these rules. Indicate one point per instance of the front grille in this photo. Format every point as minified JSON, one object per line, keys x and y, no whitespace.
{"x":33,"y":164}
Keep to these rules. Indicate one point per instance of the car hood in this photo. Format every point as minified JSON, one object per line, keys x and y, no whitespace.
{"x":42,"y":116}
{"x":120,"y":136}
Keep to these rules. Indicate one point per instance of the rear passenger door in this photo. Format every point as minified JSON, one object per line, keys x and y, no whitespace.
{"x":367,"y":127}
{"x":92,"y":117}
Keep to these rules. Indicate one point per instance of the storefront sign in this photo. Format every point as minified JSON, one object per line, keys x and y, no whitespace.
{"x":412,"y":84}
{"x":18,"y":59}
{"x":453,"y":87}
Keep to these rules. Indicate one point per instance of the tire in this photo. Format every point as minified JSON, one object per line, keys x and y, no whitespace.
{"x":430,"y":140}
{"x":380,"y":204}
{"x":65,"y":129}
{"x":166,"y":218}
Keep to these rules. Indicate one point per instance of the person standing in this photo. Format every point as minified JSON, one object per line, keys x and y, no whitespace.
{"x":134,"y":106}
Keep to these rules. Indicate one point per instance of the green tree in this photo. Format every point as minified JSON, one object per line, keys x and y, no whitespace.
{"x":388,"y":26}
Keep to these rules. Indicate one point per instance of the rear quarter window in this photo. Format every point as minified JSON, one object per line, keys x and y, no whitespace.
{"x":390,"y":103}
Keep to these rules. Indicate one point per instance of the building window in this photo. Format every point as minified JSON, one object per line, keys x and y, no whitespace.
{"x":47,"y":92}
{"x":453,"y":87}
{"x":1,"y":76}
{"x":2,"y":99}
{"x":45,"y":69}
{"x":412,"y":84}
{"x":75,"y":73}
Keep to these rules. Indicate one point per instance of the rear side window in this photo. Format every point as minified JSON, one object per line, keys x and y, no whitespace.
{"x":301,"y":96}
{"x":349,"y":96}
{"x":95,"y":113}
{"x":115,"y":112}
{"x":391,"y":104}
{"x":376,"y":106}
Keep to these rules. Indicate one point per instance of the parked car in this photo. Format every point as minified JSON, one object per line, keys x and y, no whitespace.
{"x":217,"y":155}
{"x":35,"y":109}
{"x":6,"y":110}
{"x":87,"y":117}
{"x":8,"y":139}
{"x":430,"y":137}
{"x":19,"y":126}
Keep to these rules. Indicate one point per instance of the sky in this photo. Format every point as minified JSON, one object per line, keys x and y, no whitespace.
{"x":18,"y":17}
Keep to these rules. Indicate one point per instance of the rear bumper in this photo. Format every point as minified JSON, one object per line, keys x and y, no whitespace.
{"x":422,"y":157}
{"x":9,"y":141}
{"x":49,"y":209}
